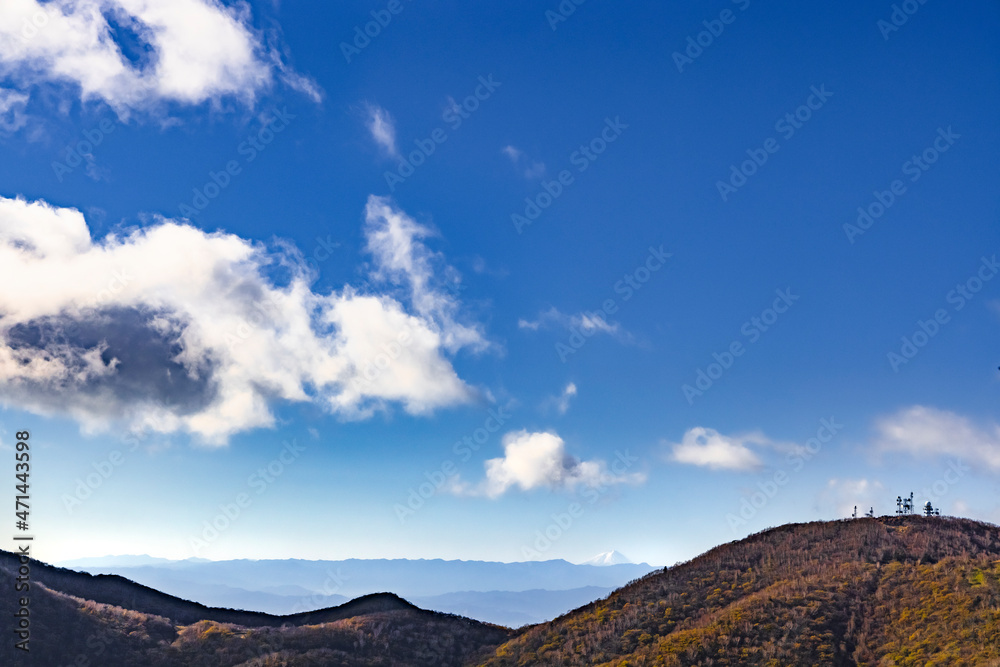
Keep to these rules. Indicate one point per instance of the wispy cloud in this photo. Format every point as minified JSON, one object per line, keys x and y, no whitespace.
{"x":174,"y":329}
{"x":383,"y":129}
{"x":587,"y":323}
{"x":562,"y":401}
{"x":926,"y":432}
{"x":538,"y":460}
{"x":531,"y":169}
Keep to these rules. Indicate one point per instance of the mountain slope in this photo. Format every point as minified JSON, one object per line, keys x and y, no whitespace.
{"x":82,"y":619}
{"x":886,"y":591}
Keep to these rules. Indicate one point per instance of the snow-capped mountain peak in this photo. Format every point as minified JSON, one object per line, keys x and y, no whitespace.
{"x":608,"y":558}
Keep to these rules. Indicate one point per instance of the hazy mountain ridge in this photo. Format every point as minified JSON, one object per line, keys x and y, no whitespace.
{"x":353,"y":577}
{"x":511,"y":594}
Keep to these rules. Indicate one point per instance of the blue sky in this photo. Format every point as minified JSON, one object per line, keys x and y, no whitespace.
{"x":690,"y":339}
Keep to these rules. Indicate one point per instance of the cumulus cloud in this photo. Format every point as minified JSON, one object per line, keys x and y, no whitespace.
{"x":383,"y":129}
{"x":926,"y":432}
{"x":173,"y":329}
{"x":137,"y":54}
{"x":538,"y":460}
{"x":586,"y":323}
{"x":708,"y":448}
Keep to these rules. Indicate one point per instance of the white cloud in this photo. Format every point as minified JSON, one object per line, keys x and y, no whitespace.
{"x":535,"y":170}
{"x":394,"y":240}
{"x":12,"y":116}
{"x":383,"y":129}
{"x":562,"y":401}
{"x":519,"y":160}
{"x":568,"y":393}
{"x":926,"y":432}
{"x":707,"y":447}
{"x":539,"y":460}
{"x":174,"y":329}
{"x":585,"y":323}
{"x":513,"y":153}
{"x":188,"y":51}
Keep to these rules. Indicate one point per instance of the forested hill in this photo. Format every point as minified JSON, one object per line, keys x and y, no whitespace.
{"x":884,"y":591}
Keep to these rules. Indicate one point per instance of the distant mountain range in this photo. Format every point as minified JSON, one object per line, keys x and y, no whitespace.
{"x":870,"y":592}
{"x":510,"y":594}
